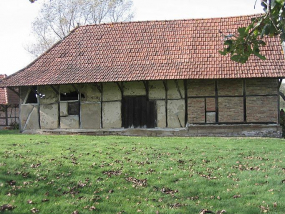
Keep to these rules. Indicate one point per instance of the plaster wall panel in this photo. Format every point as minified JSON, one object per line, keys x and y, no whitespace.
{"x":230,"y":87}
{"x":134,"y":89}
{"x":90,"y":93}
{"x":111,"y":92}
{"x":50,"y":95}
{"x":90,"y":116}
{"x":29,"y":117}
{"x":156,"y":90}
{"x":175,"y":88}
{"x":161,"y":118}
{"x":176,"y":113}
{"x":112,"y":117}
{"x":69,"y":122}
{"x":201,"y":88}
{"x":63,"y":109}
{"x":210,"y":117}
{"x":49,"y":116}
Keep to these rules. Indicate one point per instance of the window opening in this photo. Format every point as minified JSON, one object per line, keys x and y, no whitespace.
{"x":32,"y":97}
{"x":69,"y":96}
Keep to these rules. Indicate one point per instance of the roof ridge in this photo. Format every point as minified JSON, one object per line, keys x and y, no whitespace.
{"x":166,"y":20}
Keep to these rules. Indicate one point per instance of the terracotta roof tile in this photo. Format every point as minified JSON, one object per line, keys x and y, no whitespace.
{"x":151,"y":50}
{"x":6,"y":95}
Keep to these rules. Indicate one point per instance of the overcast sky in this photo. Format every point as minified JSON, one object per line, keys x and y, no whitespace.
{"x":16,"y":17}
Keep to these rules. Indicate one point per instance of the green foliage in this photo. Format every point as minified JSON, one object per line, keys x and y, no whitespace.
{"x":87,"y":174}
{"x":249,"y":40}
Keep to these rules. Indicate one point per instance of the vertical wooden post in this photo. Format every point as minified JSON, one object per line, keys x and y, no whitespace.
{"x":216,"y":101}
{"x":244,"y":101}
{"x":6,"y":114}
{"x":186,"y":101}
{"x":39,"y":108}
{"x":101,"y":106}
{"x":166,"y":102}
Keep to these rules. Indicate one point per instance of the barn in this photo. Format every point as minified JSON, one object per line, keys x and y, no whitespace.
{"x":154,"y":78}
{"x":9,"y":107}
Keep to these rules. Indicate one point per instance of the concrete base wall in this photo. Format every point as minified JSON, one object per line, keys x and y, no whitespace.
{"x":251,"y":130}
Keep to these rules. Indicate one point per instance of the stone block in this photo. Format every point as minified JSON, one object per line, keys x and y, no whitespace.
{"x":112,"y":117}
{"x":90,"y":115}
{"x":69,"y":122}
{"x":161,"y":117}
{"x":176,"y":113}
{"x":49,"y":116}
{"x":63,"y":109}
{"x":29,"y":117}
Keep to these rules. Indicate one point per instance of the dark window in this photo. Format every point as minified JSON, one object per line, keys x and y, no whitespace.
{"x":32,"y":97}
{"x":69,"y":96}
{"x":73,"y":108}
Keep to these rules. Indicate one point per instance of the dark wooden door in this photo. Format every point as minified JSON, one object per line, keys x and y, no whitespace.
{"x":138,"y":112}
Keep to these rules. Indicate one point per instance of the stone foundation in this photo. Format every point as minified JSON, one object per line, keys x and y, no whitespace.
{"x":247,"y":130}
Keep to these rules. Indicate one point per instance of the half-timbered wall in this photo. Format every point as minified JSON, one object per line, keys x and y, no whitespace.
{"x":233,"y":101}
{"x":175,"y":103}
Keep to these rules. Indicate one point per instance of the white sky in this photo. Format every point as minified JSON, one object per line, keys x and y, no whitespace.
{"x":16,"y":17}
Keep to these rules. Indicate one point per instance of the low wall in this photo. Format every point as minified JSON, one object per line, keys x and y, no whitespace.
{"x":246,"y":130}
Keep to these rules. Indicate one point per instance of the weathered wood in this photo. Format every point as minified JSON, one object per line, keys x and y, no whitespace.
{"x":178,"y":89}
{"x":12,"y":89}
{"x":166,"y":102}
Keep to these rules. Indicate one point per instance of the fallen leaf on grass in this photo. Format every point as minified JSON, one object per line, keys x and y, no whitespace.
{"x":30,"y":202}
{"x":34,"y":210}
{"x":168,"y":191}
{"x":7,"y":207}
{"x":110,"y":173}
{"x":236,"y":196}
{"x":137,"y":182}
{"x":11,"y":182}
{"x":204,"y":211}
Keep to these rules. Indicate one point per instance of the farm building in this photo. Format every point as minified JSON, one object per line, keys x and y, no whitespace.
{"x":155,"y":78}
{"x":9,"y":106}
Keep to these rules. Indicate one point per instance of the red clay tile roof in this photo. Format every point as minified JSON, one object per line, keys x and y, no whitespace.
{"x":6,"y":95}
{"x":3,"y":92}
{"x":150,"y":50}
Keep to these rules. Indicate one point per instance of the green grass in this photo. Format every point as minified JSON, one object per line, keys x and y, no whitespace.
{"x":89,"y":174}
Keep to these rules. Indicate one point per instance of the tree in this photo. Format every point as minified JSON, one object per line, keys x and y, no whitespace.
{"x":250,"y":39}
{"x":58,"y":18}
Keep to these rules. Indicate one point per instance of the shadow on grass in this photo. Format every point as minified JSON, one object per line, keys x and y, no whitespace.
{"x":6,"y":132}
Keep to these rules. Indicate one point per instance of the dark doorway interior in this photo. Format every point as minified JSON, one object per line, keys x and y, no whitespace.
{"x":138,"y":112}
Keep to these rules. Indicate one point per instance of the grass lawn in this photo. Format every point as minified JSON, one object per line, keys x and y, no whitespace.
{"x":89,"y":174}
